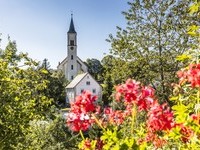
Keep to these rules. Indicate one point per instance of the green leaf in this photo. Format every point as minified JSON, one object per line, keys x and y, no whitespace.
{"x":194,"y":8}
{"x":183,"y":57}
{"x":174,"y":98}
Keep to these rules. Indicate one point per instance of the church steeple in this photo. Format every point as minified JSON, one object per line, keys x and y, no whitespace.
{"x":71,"y":27}
{"x":72,"y":66}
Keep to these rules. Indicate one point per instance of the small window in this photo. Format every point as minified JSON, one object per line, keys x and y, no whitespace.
{"x":82,"y":90}
{"x":94,"y":91}
{"x":88,"y":83}
{"x":71,"y":42}
{"x":72,"y":77}
{"x":72,"y":67}
{"x":72,"y":57}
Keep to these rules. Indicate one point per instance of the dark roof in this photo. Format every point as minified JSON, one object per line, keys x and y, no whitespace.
{"x":71,"y":27}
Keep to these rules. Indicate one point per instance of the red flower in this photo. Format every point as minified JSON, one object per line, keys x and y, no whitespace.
{"x":133,"y":93}
{"x":84,"y":103}
{"x":159,"y":118}
{"x":186,"y":133}
{"x":79,"y":118}
{"x":99,"y":144}
{"x":128,"y":91}
{"x":146,"y":98}
{"x":153,"y":138}
{"x":191,"y":75}
{"x":87,"y":145}
{"x":78,"y":122}
{"x":196,"y":118}
{"x":113,"y":116}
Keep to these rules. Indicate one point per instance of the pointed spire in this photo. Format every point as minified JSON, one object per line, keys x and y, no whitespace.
{"x":71,"y":27}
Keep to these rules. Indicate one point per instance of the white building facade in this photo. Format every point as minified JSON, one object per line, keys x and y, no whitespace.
{"x":75,"y":70}
{"x":83,"y":82}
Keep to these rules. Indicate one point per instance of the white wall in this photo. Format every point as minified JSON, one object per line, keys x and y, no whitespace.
{"x":70,"y":95}
{"x":93,"y":85}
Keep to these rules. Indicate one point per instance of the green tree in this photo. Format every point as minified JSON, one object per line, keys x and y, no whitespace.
{"x":154,"y":37}
{"x":49,"y":135}
{"x":94,"y":67}
{"x":22,"y":99}
{"x":115,"y":71}
{"x":56,"y":84}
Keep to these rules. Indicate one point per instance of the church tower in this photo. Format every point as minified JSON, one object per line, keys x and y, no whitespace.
{"x":72,"y":65}
{"x":72,"y":51}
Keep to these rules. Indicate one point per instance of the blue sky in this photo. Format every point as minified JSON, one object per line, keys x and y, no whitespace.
{"x":40,"y":26}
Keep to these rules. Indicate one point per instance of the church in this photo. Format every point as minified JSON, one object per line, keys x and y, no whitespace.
{"x":76,"y":71}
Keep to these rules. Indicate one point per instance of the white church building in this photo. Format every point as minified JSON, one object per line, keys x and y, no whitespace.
{"x":76,"y":71}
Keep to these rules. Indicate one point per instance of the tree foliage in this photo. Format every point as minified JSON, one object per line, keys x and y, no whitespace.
{"x":155,"y":35}
{"x":22,"y":98}
{"x":49,"y":135}
{"x":56,"y":84}
{"x":94,"y":68}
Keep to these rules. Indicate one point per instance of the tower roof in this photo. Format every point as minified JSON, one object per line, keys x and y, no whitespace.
{"x":71,"y":27}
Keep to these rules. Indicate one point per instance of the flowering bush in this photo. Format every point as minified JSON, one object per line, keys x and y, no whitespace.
{"x":143,"y":123}
{"x":161,"y":126}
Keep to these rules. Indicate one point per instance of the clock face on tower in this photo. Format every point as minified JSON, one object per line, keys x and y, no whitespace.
{"x":71,"y":47}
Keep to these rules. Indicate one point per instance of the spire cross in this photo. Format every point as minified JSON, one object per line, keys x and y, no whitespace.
{"x":71,"y":14}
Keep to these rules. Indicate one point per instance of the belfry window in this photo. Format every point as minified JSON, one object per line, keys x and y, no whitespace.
{"x":72,"y":67}
{"x":71,"y":42}
{"x":72,"y":57}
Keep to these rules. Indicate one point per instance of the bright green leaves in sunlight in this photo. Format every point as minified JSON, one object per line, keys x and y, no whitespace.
{"x":21,"y":96}
{"x":194,"y":8}
{"x":193,"y":30}
{"x":154,"y":36}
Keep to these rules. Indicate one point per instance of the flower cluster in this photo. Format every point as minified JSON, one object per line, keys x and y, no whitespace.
{"x":185,"y":132}
{"x":133,"y":93}
{"x":190,"y":75}
{"x":155,"y":139}
{"x":196,"y":118}
{"x":134,"y":97}
{"x":111,"y":116}
{"x":159,"y":118}
{"x":79,"y":118}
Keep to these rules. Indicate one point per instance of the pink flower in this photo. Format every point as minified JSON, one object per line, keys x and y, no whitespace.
{"x":196,"y":118}
{"x":79,"y":117}
{"x":159,"y":118}
{"x":132,"y":93}
{"x":146,"y":98}
{"x":115,"y":117}
{"x":78,"y":122}
{"x":127,"y":91}
{"x":153,"y":138}
{"x":185,"y":131}
{"x":191,"y":75}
